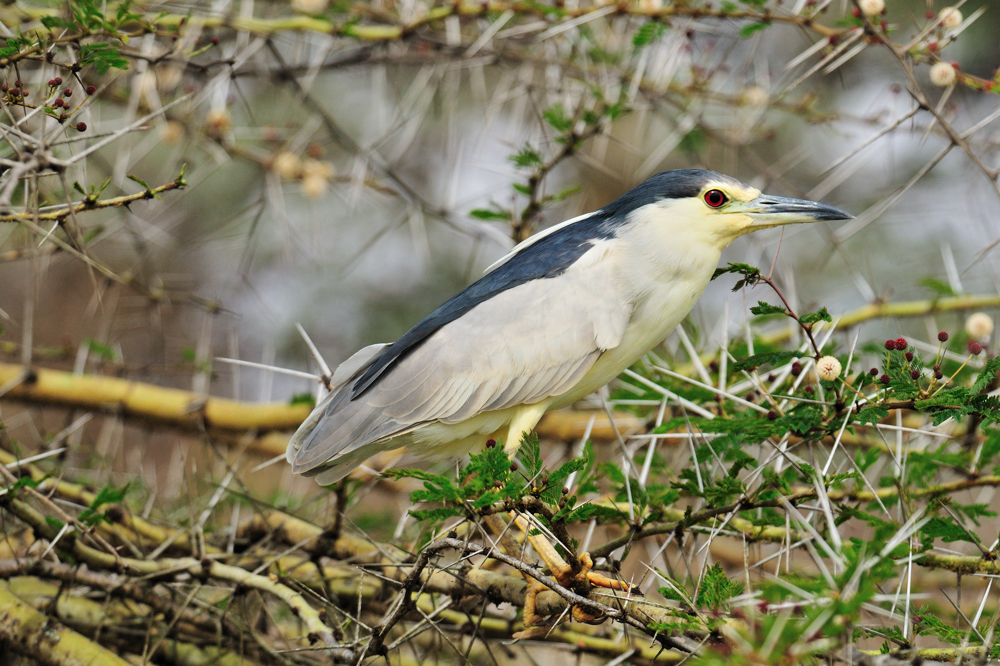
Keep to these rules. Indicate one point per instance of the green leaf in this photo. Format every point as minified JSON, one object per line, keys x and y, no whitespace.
{"x":748,"y":30}
{"x":767,"y":358}
{"x":813,"y":317}
{"x":487,"y":214}
{"x":556,"y":117}
{"x":530,"y":455}
{"x":648,"y":32}
{"x":872,"y":414}
{"x":304,"y":398}
{"x":763,"y":308}
{"x":938,"y":288}
{"x":751,"y":274}
{"x":716,"y":588}
{"x":527,"y":157}
{"x":986,"y":375}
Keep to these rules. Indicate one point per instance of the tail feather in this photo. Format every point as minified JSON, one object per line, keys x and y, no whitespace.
{"x":336,"y":424}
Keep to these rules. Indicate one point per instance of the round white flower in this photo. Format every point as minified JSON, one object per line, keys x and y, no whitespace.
{"x":287,"y":165}
{"x":310,"y":6}
{"x":979,"y":325}
{"x":950,"y":18}
{"x":872,"y":7}
{"x":828,"y":368}
{"x":943,"y":74}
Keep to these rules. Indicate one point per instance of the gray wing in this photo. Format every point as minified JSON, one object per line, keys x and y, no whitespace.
{"x":518,"y":347}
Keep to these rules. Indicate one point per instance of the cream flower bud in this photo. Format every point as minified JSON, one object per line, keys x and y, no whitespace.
{"x":172,"y":132}
{"x":218,"y":122}
{"x":943,"y":74}
{"x":310,"y":6}
{"x":828,"y":368}
{"x":979,"y":325}
{"x":287,"y":165}
{"x":754,"y":96}
{"x":872,"y":7}
{"x":950,"y":18}
{"x":651,"y":5}
{"x":314,"y":186}
{"x":317,"y":169}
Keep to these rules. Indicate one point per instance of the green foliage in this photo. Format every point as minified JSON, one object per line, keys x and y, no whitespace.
{"x":751,"y":274}
{"x":767,"y":358}
{"x":763,"y":308}
{"x":716,"y":588}
{"x":91,"y":516}
{"x":490,"y":214}
{"x":813,"y":317}
{"x":649,"y":32}
{"x":750,"y":29}
{"x":102,"y":56}
{"x":304,"y":398}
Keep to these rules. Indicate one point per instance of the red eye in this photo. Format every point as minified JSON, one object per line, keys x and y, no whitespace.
{"x":715,"y":198}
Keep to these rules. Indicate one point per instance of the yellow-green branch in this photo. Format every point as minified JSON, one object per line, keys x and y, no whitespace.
{"x":116,"y":202}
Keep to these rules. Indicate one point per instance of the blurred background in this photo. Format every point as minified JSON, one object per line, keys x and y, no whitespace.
{"x":352,"y":184}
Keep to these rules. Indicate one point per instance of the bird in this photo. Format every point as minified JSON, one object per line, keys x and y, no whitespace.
{"x":561,"y":315}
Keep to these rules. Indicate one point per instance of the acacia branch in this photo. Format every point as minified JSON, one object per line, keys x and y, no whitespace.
{"x":64,"y":211}
{"x":45,"y":640}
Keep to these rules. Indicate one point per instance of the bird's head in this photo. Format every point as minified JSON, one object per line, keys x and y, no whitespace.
{"x":714,"y":207}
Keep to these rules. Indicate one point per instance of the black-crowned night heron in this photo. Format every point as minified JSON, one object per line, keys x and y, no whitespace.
{"x":560,"y":316}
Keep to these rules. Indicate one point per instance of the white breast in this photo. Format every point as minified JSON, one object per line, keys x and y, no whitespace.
{"x":662,"y":268}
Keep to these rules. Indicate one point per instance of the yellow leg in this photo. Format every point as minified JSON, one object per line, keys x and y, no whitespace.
{"x":523,"y":422}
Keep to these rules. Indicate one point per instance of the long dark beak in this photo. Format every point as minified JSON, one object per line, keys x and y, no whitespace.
{"x":771,"y":211}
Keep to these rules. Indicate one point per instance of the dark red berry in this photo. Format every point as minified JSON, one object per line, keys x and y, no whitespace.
{"x":808,"y":390}
{"x":771,"y":415}
{"x":938,"y":375}
{"x":68,"y":92}
{"x":81,"y":127}
{"x":890,"y":344}
{"x":25,"y":93}
{"x":513,"y":467}
{"x":901,"y":344}
{"x":873,"y":372}
{"x":975,"y":348}
{"x":215,"y":41}
{"x":713,"y":366}
{"x":796,"y":369}
{"x":930,"y":14}
{"x":58,"y":81}
{"x":490,"y":443}
{"x":19,"y":83}
{"x":91,"y":90}
{"x":884,"y":379}
{"x":15,"y":92}
{"x":942,"y":337}
{"x":915,"y":374}
{"x":4,"y":87}
{"x":565,"y":490}
{"x":751,"y":395}
{"x":855,"y":13}
{"x":52,"y":83}
{"x":909,"y":356}
{"x":58,"y":102}
{"x":936,"y":368}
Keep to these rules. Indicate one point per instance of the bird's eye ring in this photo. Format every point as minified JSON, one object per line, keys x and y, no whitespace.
{"x":715,"y":198}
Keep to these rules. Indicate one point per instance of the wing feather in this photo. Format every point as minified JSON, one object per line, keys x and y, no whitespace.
{"x":521,"y":346}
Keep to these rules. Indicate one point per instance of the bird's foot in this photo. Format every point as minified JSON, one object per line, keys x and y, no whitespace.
{"x":579,"y":581}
